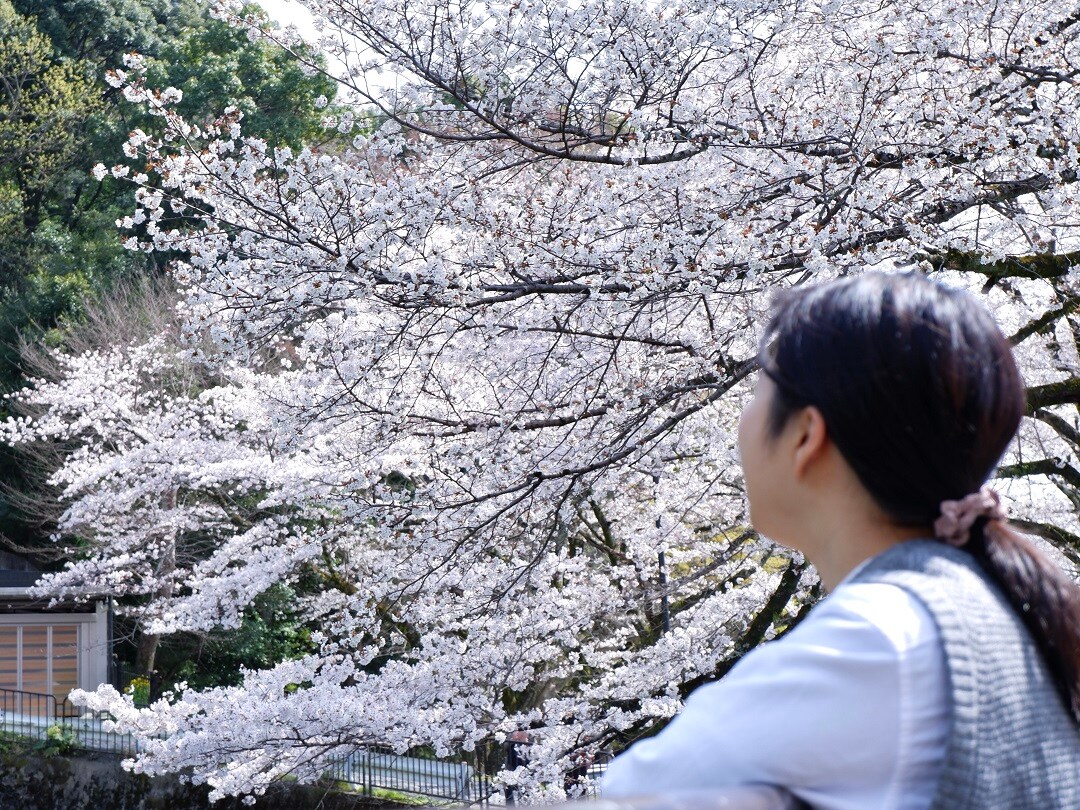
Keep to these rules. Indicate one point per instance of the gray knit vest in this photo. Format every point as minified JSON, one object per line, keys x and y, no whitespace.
{"x":1012,"y":745}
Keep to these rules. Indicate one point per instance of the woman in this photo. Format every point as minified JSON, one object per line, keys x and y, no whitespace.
{"x":943,"y":670}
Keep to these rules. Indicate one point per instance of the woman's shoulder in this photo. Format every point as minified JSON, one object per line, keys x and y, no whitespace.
{"x":947,"y":582}
{"x":864,"y":636}
{"x":862,"y":612}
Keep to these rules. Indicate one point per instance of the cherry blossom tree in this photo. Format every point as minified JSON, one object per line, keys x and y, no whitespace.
{"x":476,"y":375}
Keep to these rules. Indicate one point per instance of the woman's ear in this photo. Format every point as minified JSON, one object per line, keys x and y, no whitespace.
{"x":811,"y":440}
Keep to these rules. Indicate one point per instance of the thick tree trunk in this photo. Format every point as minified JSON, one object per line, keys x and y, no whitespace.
{"x":146,"y":651}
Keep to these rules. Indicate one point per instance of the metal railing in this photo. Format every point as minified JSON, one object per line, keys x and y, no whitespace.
{"x":44,"y":720}
{"x":368,"y":770}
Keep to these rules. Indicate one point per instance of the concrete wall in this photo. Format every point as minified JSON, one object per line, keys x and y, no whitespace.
{"x":97,"y":782}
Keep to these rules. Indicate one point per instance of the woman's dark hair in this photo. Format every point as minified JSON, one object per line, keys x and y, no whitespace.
{"x":921,"y":396}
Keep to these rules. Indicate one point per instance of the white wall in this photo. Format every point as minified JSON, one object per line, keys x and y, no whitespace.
{"x":93,"y":640}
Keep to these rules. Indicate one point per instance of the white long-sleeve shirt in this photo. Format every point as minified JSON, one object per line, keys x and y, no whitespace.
{"x":849,"y":711}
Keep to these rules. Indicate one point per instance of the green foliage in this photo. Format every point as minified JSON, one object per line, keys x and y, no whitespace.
{"x":268,"y":634}
{"x":57,"y":234}
{"x":58,"y":741}
{"x":217,"y":66}
{"x":398,"y":797}
{"x":58,"y":238}
{"x":45,"y":107}
{"x":139,"y":689}
{"x":104,"y":30}
{"x":13,"y":743}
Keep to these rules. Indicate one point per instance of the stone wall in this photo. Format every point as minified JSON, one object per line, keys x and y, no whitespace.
{"x":97,"y":782}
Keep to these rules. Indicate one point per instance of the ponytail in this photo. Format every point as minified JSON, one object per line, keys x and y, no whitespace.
{"x":1043,"y":596}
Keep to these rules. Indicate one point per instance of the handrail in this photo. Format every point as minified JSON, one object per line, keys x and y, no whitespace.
{"x":40,"y":717}
{"x":372,"y":768}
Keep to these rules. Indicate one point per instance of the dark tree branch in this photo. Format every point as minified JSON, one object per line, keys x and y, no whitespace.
{"x":1066,"y":392}
{"x":1039,"y":265}
{"x":1064,"y":429}
{"x":1067,"y":542}
{"x":1044,"y":466}
{"x":1045,"y":322}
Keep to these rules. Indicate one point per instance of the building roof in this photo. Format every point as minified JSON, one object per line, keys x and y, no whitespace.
{"x":17,"y":579}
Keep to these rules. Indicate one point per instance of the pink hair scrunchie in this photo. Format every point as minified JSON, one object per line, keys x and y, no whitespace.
{"x":957,"y":517}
